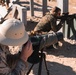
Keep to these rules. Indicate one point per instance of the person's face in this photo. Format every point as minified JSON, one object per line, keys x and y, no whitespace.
{"x":59,"y":13}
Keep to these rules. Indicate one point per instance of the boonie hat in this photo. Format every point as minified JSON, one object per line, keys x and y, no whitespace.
{"x":13,"y":33}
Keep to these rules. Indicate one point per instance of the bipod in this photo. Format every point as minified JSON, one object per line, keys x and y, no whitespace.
{"x":42,"y":57}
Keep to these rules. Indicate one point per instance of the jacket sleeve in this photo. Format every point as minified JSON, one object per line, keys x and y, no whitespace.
{"x":54,"y":25}
{"x":19,"y":69}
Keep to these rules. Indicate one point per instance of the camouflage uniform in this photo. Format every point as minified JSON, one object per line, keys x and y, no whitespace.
{"x":11,"y":66}
{"x":47,"y":23}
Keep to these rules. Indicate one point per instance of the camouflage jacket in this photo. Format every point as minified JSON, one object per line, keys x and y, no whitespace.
{"x":10,"y":65}
{"x":47,"y":23}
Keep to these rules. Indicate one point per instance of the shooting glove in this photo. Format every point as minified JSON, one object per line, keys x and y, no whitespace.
{"x":31,"y":33}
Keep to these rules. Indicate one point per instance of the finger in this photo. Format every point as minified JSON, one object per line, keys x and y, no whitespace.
{"x":26,"y":45}
{"x":30,"y":48}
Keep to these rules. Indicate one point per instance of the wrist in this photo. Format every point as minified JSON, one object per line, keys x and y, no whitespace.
{"x":24,"y":60}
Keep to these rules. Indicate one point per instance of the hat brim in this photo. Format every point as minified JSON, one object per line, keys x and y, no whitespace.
{"x":14,"y":42}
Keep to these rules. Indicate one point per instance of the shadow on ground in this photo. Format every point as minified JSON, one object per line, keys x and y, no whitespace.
{"x":67,"y":50}
{"x":54,"y":69}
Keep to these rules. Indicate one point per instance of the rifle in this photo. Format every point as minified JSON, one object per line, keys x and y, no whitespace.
{"x":69,"y":18}
{"x":66,"y":17}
